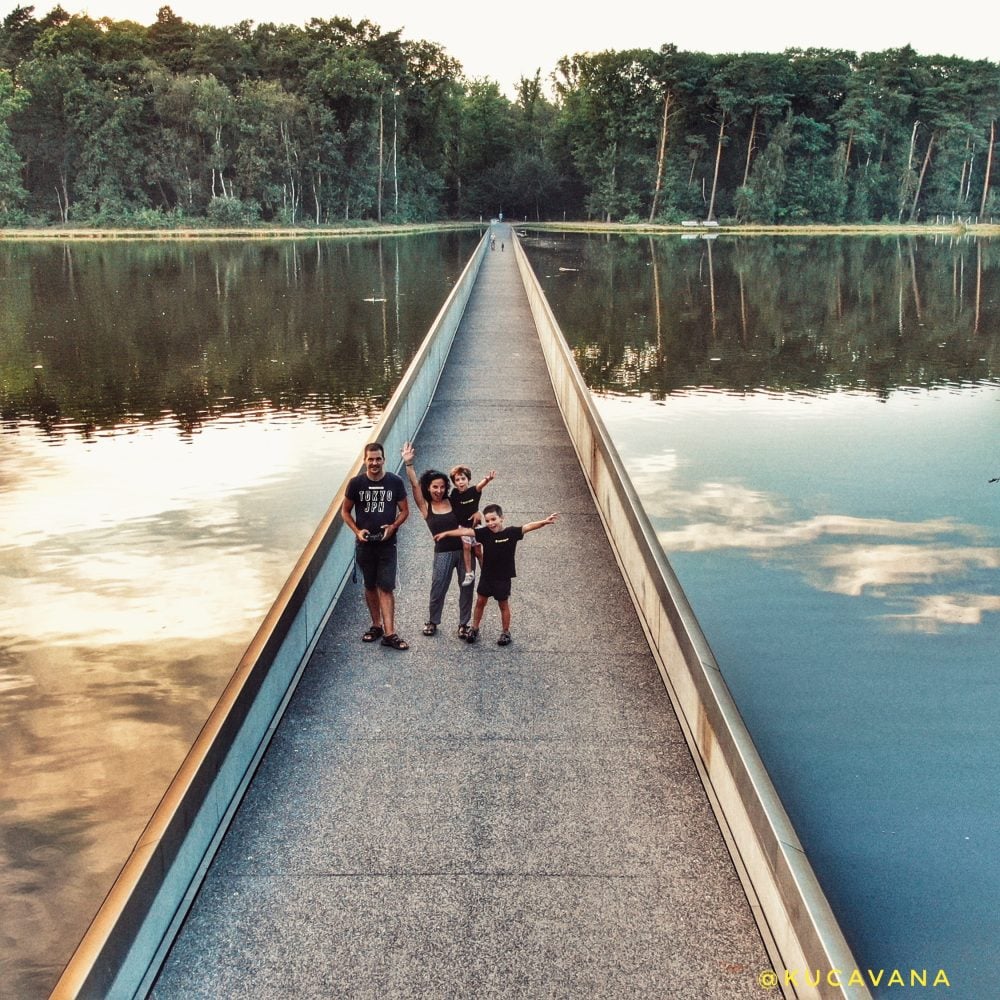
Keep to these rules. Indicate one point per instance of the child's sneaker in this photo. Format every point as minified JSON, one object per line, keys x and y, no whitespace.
{"x":469,"y":579}
{"x":504,"y":639}
{"x":472,"y":635}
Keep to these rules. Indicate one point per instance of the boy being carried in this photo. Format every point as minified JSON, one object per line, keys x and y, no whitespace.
{"x":498,"y":571}
{"x":465,"y":504}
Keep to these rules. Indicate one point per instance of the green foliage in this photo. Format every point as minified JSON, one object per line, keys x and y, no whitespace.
{"x":12,"y":193}
{"x":101,"y":120}
{"x":232,"y":212}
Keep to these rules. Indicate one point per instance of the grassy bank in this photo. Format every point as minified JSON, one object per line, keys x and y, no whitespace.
{"x":389,"y":229}
{"x":231,"y":233}
{"x":811,"y":229}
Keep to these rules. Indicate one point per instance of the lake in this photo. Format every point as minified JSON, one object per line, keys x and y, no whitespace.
{"x":812,"y":426}
{"x":175,"y":418}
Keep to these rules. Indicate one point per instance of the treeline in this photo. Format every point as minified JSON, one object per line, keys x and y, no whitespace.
{"x":112,"y":122}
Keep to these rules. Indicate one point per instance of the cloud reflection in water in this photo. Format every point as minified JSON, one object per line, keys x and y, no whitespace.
{"x":836,"y":553}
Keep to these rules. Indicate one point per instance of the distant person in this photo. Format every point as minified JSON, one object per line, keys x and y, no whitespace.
{"x":374,"y":507}
{"x":465,"y":502}
{"x":498,"y":544}
{"x":430,"y":494}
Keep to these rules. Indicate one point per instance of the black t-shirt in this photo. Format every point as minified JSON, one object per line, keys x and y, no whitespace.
{"x":375,"y":502}
{"x":498,"y":551}
{"x":465,"y":504}
{"x":444,"y":522}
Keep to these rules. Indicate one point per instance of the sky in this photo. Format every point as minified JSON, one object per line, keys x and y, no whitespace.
{"x":507,"y":40}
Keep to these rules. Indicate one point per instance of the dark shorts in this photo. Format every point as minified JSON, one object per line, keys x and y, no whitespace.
{"x":377,"y":562}
{"x":498,"y":588}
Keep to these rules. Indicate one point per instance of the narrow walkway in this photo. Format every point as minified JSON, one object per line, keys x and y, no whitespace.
{"x":475,"y":821}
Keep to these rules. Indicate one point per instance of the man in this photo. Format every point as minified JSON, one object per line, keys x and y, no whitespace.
{"x":374,"y":507}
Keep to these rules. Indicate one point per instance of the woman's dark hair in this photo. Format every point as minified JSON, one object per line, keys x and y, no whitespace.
{"x":427,"y":478}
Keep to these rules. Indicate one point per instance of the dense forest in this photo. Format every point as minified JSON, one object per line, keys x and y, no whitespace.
{"x":108,"y":122}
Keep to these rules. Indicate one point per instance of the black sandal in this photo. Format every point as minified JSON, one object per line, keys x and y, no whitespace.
{"x":430,"y":628}
{"x":375,"y":632}
{"x":394,"y":641}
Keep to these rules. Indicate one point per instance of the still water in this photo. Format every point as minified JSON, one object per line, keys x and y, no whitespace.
{"x":812,"y":426}
{"x":175,"y":420}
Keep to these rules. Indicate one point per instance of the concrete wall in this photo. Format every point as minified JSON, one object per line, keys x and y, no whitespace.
{"x":798,"y":927}
{"x":125,"y":944}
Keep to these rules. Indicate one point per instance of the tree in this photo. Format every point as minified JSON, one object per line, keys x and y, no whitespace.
{"x":172,"y":40}
{"x":214,"y":115}
{"x":348,"y":85}
{"x":760,"y":199}
{"x":48,"y":126}
{"x":611,"y":104}
{"x":268,"y":155}
{"x":485,"y":143}
{"x":12,"y":193}
{"x":17,"y":36}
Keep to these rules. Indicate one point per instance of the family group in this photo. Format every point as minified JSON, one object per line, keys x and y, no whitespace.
{"x":375,"y":507}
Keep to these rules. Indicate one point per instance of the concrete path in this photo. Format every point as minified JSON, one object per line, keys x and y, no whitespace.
{"x":475,"y":821}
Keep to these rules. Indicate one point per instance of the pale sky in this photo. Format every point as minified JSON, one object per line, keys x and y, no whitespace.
{"x":512,"y":38}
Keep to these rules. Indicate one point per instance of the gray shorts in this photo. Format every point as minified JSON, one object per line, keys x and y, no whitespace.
{"x":377,"y":562}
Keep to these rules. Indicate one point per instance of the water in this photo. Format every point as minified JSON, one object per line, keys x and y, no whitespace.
{"x":812,"y":427}
{"x":175,"y":420}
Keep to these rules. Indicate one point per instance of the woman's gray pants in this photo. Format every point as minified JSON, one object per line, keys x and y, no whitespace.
{"x":445,"y":563}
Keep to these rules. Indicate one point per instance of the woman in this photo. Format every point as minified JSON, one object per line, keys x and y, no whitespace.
{"x":430,"y":493}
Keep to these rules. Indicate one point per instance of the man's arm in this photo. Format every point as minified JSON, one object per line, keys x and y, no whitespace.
{"x":402,"y":513}
{"x":347,"y":515}
{"x":535,"y":525}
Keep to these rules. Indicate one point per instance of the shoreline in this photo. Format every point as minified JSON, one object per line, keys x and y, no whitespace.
{"x":402,"y":229}
{"x":246,"y":232}
{"x":755,"y":229}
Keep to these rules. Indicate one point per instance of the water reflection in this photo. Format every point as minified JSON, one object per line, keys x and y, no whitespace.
{"x":811,"y":425}
{"x":838,"y":553}
{"x":98,"y":335}
{"x":795,"y":314}
{"x":843,"y":557}
{"x":175,"y":421}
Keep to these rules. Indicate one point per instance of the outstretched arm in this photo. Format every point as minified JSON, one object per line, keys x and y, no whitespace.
{"x":454,"y":533}
{"x":409,"y":454}
{"x":535,"y":525}
{"x":485,"y":481}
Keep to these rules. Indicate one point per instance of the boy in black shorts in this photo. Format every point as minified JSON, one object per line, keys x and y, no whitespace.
{"x":498,"y":545}
{"x":465,"y":504}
